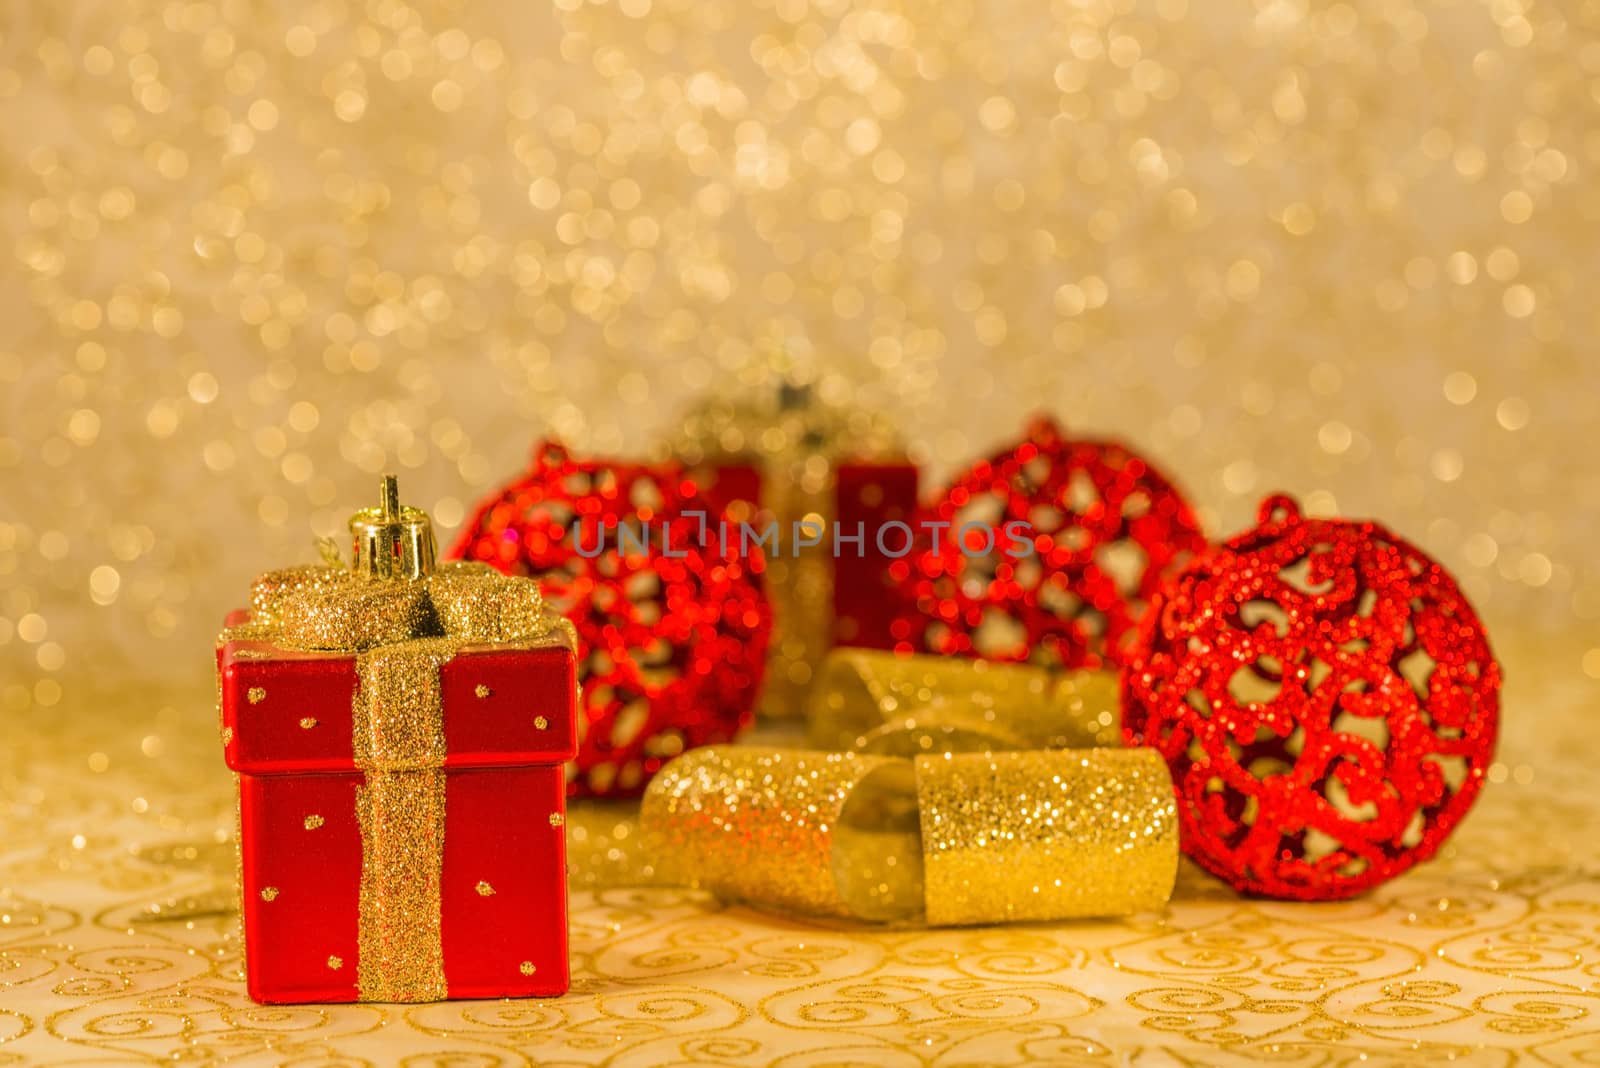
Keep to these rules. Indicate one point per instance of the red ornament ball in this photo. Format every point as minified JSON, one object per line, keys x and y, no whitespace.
{"x":1326,"y":699}
{"x":673,"y":623}
{"x":1104,"y":527}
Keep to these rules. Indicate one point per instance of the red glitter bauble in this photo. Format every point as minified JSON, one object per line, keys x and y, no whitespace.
{"x":674,"y":632}
{"x":1105,"y":526}
{"x":1326,"y":699}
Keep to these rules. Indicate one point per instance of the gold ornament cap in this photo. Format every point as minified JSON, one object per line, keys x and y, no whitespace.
{"x":392,"y":541}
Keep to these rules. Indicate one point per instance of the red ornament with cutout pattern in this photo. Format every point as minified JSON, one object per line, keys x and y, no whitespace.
{"x":1105,"y":527}
{"x":673,"y":631}
{"x":1326,"y":699}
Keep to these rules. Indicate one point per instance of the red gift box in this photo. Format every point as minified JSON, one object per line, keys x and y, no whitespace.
{"x":787,"y":455}
{"x":871,"y":496}
{"x":866,"y":497}
{"x":398,"y":735}
{"x":403,"y":884}
{"x":825,"y":593}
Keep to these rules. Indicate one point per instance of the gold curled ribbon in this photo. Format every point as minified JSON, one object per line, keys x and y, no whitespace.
{"x":882,"y":702}
{"x":949,"y":839}
{"x":403,"y":632}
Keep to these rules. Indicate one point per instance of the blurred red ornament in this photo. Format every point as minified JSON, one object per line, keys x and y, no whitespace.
{"x":674,"y":630}
{"x":1326,"y":699}
{"x":1105,"y":526}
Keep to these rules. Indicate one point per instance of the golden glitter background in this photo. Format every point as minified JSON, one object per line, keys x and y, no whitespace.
{"x":257,"y":253}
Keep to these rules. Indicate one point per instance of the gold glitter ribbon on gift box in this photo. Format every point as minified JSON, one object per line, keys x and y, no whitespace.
{"x":945,"y":839}
{"x":404,"y":629}
{"x":895,"y":704}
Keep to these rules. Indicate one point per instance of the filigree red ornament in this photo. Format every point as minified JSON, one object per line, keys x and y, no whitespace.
{"x":1326,"y":699}
{"x":673,"y":631}
{"x":1105,"y":526}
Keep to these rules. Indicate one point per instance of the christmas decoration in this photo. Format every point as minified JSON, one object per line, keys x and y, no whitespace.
{"x":893,"y":703}
{"x":791,"y":460}
{"x":945,"y":839}
{"x":1048,"y":552}
{"x":672,"y":616}
{"x":398,"y":734}
{"x":1326,"y":699}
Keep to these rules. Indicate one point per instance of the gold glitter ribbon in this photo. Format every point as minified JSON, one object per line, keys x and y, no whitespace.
{"x":882,"y":702}
{"x":949,"y":839}
{"x":399,"y":744}
{"x":404,"y":632}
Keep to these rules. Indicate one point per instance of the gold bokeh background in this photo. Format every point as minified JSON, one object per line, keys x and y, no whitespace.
{"x":257,"y":253}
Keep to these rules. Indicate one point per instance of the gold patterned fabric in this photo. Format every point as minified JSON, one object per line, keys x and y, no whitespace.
{"x":118,"y":944}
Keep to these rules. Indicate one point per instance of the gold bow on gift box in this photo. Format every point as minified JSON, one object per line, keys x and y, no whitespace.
{"x":948,"y":798}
